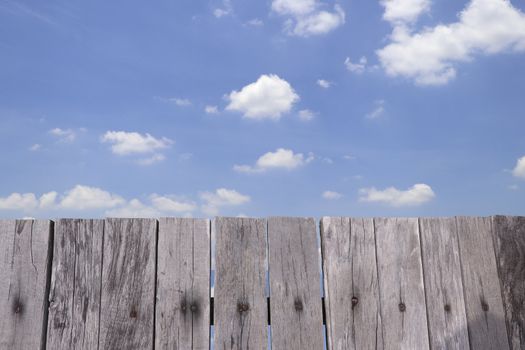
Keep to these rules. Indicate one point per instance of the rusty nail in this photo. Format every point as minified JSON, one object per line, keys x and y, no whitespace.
{"x":447,"y":307}
{"x":485,"y":306}
{"x":133,"y":314}
{"x":183,"y":307}
{"x":402,"y":307}
{"x":193,"y":307}
{"x":355,"y":301}
{"x":298,"y":305}
{"x":242,"y":307}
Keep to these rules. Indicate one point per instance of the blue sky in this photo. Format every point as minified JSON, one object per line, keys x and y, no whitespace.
{"x":277,"y":107}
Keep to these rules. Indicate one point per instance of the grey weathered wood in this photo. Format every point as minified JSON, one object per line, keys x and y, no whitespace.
{"x":183,"y":284}
{"x":353,"y":319}
{"x":24,"y":269}
{"x":509,"y":243}
{"x":447,"y":321}
{"x":74,"y":297}
{"x":240,"y":304}
{"x":128,"y":284}
{"x":481,"y":288}
{"x":293,"y":261}
{"x":401,"y":290}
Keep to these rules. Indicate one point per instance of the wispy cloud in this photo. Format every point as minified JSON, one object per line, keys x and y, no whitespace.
{"x":280,"y":159}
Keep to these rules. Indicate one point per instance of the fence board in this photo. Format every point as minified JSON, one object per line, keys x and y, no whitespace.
{"x":128,"y":284}
{"x":353,"y":319}
{"x":75,"y":285}
{"x":484,"y":306}
{"x":296,"y":310}
{"x":240,"y":303}
{"x":24,"y":269}
{"x":447,"y":321}
{"x":183,"y":284}
{"x":401,"y":288}
{"x":509,"y":243}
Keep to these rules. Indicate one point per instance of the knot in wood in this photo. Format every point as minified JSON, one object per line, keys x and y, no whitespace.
{"x":447,"y":307}
{"x":133,"y":313}
{"x":484,"y":306}
{"x":355,"y":301}
{"x":402,"y":307}
{"x":194,"y":307}
{"x":18,"y":307}
{"x":243,"y":307}
{"x":298,"y":305}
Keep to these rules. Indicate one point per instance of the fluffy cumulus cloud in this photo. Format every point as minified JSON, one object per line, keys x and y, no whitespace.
{"x":171,"y":204}
{"x":19,"y":201}
{"x":519,"y":169}
{"x":222,"y":197}
{"x":132,"y":143}
{"x":331,"y":195}
{"x":85,"y":197}
{"x":430,"y":56}
{"x":267,"y":98}
{"x":415,"y":195}
{"x":280,"y":159}
{"x":308,"y":17}
{"x":325,"y":84}
{"x":403,"y":11}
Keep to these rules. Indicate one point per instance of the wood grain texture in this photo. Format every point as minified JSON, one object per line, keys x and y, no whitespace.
{"x":24,"y":269}
{"x":353,"y":318}
{"x":403,"y":309}
{"x":128,"y":284}
{"x":240,"y":302}
{"x":509,"y":243}
{"x":183,"y":284}
{"x":74,"y":298}
{"x":481,"y":287}
{"x":447,"y":321}
{"x":293,"y":261}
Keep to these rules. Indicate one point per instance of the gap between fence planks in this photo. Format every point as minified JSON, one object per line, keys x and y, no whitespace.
{"x":447,"y":283}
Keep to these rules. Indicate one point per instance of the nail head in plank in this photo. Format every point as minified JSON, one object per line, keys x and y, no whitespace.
{"x":183,"y":284}
{"x":353,"y":319}
{"x":509,"y":243}
{"x":447,"y":321}
{"x":74,"y":297}
{"x":240,"y":303}
{"x":400,"y":274}
{"x":294,"y":284}
{"x":481,"y":287}
{"x":24,"y":269}
{"x":128,"y":284}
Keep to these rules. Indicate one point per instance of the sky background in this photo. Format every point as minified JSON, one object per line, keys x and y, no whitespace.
{"x":259,"y":108}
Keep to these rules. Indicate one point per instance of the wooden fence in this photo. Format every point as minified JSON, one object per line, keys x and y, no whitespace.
{"x":385,"y":283}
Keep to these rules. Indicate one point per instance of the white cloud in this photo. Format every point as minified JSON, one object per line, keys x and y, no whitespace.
{"x":124,"y":143}
{"x":48,"y":200}
{"x":156,"y":158}
{"x":227,"y":9}
{"x":519,"y":169}
{"x":19,"y":201}
{"x":280,"y":159}
{"x":306,"y":115}
{"x":306,"y":18}
{"x":416,"y":195}
{"x":35,"y":147}
{"x":429,"y":57}
{"x":85,"y":197}
{"x":331,"y":195}
{"x":181,"y":102}
{"x":358,"y":67}
{"x":401,"y":11}
{"x":211,"y":109}
{"x":378,"y":111}
{"x":64,"y":135}
{"x":134,"y":209}
{"x":255,"y":22}
{"x":171,"y":204}
{"x":267,"y":98}
{"x":325,"y":84}
{"x":222,"y":197}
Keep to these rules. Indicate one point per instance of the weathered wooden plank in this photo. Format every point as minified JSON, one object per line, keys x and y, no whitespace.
{"x":481,"y":288}
{"x":74,"y":298}
{"x":128,"y":284}
{"x":401,"y":290}
{"x":24,"y":271}
{"x":447,"y":321}
{"x":353,"y":318}
{"x":509,"y":243}
{"x":293,"y":262}
{"x":240,"y":304}
{"x":183,"y":284}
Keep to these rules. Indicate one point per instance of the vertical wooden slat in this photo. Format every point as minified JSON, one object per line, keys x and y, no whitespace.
{"x":296,"y":313}
{"x":402,"y":294}
{"x":183,"y":284}
{"x":240,"y":304}
{"x":509,"y":242}
{"x":484,"y":306}
{"x":353,"y":319}
{"x":24,"y":269}
{"x":447,"y":321}
{"x":74,"y":298}
{"x":128,"y":284}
